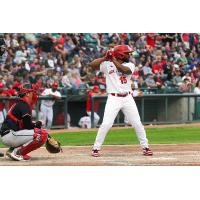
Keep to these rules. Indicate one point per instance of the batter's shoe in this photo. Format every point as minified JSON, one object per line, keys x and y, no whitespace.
{"x":147,"y":152}
{"x":95,"y":153}
{"x":1,"y":154}
{"x":15,"y":156}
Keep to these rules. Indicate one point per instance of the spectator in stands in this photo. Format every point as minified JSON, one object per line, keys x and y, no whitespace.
{"x":48,"y":79}
{"x":189,"y":76}
{"x":157,"y":67}
{"x":185,"y":37}
{"x":168,"y":38}
{"x":31,"y":54}
{"x":185,"y":86}
{"x":76,"y":82}
{"x":151,"y":39}
{"x":76,"y":62}
{"x":146,"y":69}
{"x":101,"y":81}
{"x":159,"y":79}
{"x":150,"y":82}
{"x":177,"y":80}
{"x":66,"y":81}
{"x":197,"y":87}
{"x":45,"y":45}
{"x":50,"y":61}
{"x":92,"y":81}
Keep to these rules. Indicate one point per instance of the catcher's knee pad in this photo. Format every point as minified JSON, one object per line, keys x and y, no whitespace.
{"x":37,"y":142}
{"x":40,"y":134}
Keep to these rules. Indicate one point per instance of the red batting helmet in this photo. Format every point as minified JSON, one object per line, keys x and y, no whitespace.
{"x":95,"y":88}
{"x":120,"y":51}
{"x":55,"y":85}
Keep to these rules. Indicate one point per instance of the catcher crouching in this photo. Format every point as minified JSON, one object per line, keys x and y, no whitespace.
{"x":20,"y":133}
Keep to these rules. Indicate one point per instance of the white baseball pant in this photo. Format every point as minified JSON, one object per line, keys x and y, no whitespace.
{"x":47,"y":112}
{"x":128,"y":106}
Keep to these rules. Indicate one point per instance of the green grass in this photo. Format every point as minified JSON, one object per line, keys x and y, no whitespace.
{"x":179,"y":135}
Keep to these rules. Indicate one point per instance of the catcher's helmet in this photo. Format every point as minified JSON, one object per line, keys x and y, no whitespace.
{"x":121,"y":51}
{"x":25,"y":88}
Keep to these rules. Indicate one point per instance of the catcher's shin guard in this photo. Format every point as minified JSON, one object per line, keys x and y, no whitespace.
{"x":39,"y":138}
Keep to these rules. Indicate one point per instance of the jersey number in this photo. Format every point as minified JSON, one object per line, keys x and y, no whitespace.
{"x":123,"y":79}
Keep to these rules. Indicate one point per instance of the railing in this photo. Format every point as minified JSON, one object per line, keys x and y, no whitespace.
{"x":166,"y":118}
{"x":153,"y":108}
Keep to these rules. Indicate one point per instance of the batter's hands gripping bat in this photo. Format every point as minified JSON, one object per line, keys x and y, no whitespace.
{"x":109,"y":55}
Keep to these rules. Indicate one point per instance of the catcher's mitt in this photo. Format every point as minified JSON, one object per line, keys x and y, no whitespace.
{"x":53,"y":146}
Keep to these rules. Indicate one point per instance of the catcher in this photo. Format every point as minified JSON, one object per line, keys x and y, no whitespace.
{"x":19,"y":132}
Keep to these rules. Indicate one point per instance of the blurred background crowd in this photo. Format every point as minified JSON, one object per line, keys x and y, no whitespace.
{"x":165,"y":62}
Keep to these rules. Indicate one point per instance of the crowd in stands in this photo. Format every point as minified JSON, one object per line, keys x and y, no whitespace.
{"x":165,"y":62}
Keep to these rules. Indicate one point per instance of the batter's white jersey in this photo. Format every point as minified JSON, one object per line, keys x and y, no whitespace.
{"x":116,"y":81}
{"x":47,"y":92}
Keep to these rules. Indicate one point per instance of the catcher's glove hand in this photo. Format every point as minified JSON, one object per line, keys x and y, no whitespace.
{"x":53,"y":146}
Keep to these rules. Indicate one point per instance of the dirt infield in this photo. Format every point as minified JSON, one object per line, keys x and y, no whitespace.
{"x":113,"y":155}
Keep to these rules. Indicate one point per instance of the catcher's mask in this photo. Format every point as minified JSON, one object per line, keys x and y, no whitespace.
{"x":121,"y":52}
{"x":26,"y":88}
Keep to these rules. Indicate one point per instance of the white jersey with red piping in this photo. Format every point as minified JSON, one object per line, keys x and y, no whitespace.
{"x":117,"y":82}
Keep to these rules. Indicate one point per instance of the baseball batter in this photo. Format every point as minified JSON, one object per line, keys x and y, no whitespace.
{"x":118,"y":70}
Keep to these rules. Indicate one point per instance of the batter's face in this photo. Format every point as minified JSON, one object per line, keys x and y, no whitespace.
{"x":127,"y":57}
{"x":54,"y":89}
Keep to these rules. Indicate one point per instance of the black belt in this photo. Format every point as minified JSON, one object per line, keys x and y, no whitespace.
{"x":3,"y":133}
{"x":120,"y":95}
